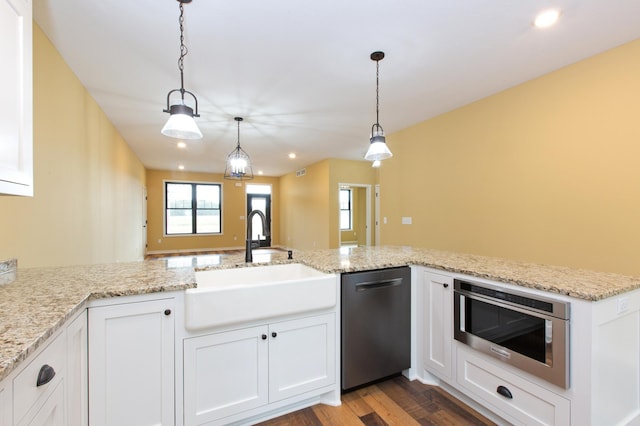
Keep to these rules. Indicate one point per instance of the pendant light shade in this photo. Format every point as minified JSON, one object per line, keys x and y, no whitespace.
{"x":238,"y":162}
{"x":181,"y":123}
{"x":378,"y":149}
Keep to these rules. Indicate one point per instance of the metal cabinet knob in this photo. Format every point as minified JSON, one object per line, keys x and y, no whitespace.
{"x":274,"y":334}
{"x":502,"y":390}
{"x":167,"y":312}
{"x":264,"y":337}
{"x":45,"y":375}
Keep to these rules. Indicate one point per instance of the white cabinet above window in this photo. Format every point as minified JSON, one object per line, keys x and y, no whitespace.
{"x":16,"y":108}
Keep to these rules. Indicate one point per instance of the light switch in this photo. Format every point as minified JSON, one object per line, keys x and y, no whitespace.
{"x":384,"y":220}
{"x":406,"y":220}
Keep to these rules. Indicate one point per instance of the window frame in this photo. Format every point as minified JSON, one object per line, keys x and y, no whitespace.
{"x":349,"y":209}
{"x":194,"y":207}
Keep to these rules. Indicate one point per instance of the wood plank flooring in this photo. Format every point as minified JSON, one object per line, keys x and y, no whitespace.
{"x":395,"y":401}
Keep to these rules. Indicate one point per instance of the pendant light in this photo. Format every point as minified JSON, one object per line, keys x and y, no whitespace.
{"x":378,"y":149}
{"x":181,"y":124}
{"x":238,"y":162}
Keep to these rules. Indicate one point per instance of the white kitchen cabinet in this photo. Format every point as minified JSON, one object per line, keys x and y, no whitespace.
{"x":52,"y":413}
{"x":5,"y":407}
{"x":38,"y":388}
{"x":438,"y":324}
{"x":232,"y":372}
{"x":77,"y":372}
{"x":225,"y":373}
{"x":526,"y":403}
{"x":131,"y":363}
{"x":16,"y":109}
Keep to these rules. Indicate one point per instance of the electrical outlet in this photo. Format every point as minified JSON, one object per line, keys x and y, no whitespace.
{"x":407,"y":220}
{"x":623,"y":304}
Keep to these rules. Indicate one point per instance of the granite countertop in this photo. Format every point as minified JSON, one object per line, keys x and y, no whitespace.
{"x":40,"y":300}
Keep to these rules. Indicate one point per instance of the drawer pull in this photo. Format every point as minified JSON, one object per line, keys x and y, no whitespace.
{"x":46,"y":374}
{"x":504,"y":392}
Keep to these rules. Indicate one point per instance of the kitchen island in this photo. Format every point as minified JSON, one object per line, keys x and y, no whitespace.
{"x":41,"y":300}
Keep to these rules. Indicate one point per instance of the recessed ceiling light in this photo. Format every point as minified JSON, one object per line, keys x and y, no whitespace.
{"x":182,"y":145}
{"x":181,"y":167}
{"x":260,"y":172}
{"x":292,"y":155}
{"x":547,"y":18}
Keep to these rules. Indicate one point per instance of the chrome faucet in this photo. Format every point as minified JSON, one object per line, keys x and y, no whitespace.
{"x":248,"y":255}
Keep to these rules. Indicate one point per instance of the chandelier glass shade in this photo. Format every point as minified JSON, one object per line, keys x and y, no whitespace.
{"x":238,"y":162}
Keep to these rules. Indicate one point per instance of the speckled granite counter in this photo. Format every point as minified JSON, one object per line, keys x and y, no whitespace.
{"x":40,"y":300}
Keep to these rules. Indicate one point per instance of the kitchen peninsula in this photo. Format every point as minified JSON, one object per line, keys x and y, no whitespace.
{"x":42,"y":301}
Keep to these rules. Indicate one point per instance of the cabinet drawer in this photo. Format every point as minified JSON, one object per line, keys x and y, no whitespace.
{"x":529,"y":404}
{"x":25,"y":389}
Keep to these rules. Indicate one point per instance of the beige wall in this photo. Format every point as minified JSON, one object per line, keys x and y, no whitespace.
{"x":310,"y":214}
{"x":87,"y":206}
{"x":349,"y":172}
{"x":234,"y":205}
{"x":304,"y":215}
{"x":545,"y":172}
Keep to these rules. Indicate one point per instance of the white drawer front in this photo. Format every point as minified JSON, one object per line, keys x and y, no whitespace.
{"x":530,"y":404}
{"x":25,"y":389}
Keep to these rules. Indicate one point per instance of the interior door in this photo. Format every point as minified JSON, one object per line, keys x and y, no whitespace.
{"x":260,"y":202}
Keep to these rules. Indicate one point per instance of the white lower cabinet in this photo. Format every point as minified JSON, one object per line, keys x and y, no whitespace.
{"x":38,"y":388}
{"x":131,"y":363}
{"x":438,"y":324}
{"x":231,"y":372}
{"x":77,"y":372}
{"x":5,"y":408}
{"x":517,"y":400}
{"x":52,"y":413}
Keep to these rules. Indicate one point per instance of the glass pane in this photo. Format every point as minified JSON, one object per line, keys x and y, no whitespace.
{"x":178,"y":196}
{"x":258,"y":189}
{"x":179,"y":221}
{"x":208,"y":196}
{"x":345,"y":219}
{"x":208,"y":221}
{"x":260,"y":204}
{"x":345,"y":197}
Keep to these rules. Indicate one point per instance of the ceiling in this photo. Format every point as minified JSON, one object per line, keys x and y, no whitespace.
{"x":299,"y":72}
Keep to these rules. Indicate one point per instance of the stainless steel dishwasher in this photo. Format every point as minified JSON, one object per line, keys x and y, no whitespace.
{"x":376,"y":325}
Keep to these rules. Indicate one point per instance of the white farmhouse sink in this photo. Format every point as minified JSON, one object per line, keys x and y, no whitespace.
{"x":228,"y":296}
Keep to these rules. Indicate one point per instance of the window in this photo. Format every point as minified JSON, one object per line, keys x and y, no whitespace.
{"x":192,"y":208}
{"x":345,"y":209}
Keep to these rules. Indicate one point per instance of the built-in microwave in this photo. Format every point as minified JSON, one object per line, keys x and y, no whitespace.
{"x":527,"y":331}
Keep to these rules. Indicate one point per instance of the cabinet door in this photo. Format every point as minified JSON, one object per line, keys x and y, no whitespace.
{"x":5,"y":407}
{"x":224,"y":374}
{"x":131,"y":364}
{"x":16,"y":122}
{"x":77,"y":372}
{"x":302,"y":356}
{"x":438,"y":317}
{"x":51,"y":413}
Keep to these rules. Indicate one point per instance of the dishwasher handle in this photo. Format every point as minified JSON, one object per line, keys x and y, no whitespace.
{"x":373,"y":285}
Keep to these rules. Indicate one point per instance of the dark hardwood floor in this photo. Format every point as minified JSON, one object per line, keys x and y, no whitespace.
{"x":395,"y":401}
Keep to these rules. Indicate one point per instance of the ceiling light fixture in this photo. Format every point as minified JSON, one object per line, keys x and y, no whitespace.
{"x":238,"y":162}
{"x":376,"y":164}
{"x":547,"y":18}
{"x":181,"y":123}
{"x":378,"y":149}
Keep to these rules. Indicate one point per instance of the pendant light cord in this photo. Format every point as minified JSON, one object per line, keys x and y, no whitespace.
{"x":377,"y":93}
{"x":183,"y":49}
{"x":238,"y":134}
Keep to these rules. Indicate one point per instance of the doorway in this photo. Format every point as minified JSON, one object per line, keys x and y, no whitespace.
{"x":354,"y":197}
{"x":259,"y":198}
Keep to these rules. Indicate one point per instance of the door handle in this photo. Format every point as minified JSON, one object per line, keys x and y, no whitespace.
{"x":372,"y":285}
